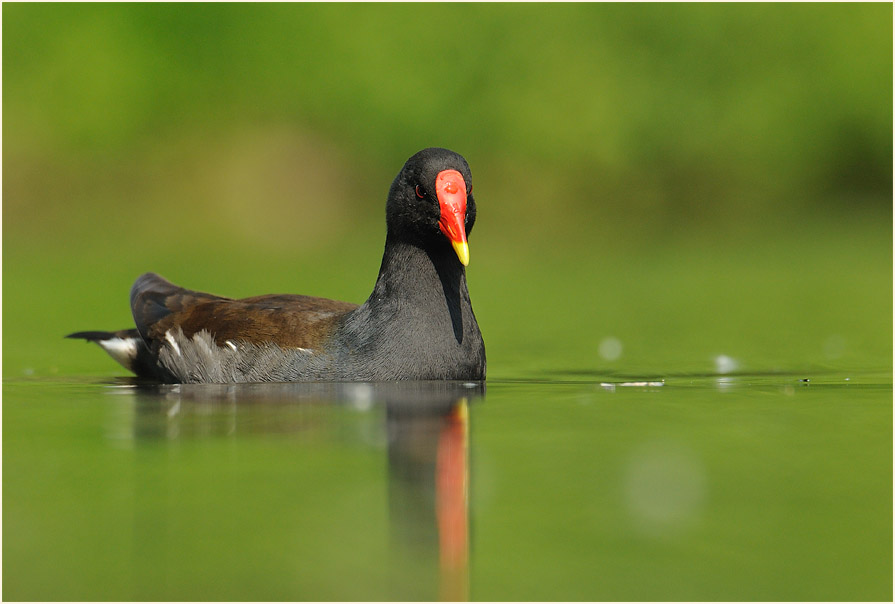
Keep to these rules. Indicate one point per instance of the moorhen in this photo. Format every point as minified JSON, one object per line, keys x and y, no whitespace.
{"x":417,"y":324}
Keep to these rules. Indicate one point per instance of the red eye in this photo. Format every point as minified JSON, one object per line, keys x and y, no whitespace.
{"x":419,"y":193}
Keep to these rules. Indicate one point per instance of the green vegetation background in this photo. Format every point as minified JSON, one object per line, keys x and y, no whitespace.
{"x":693,"y":180}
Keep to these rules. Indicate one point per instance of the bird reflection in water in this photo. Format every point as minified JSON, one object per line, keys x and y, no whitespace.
{"x":429,"y":487}
{"x":426,"y":429}
{"x":452,"y":503}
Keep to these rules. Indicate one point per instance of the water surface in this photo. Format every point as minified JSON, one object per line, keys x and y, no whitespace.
{"x":564,"y":486}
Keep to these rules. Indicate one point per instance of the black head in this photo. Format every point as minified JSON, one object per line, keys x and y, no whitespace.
{"x":425,"y":202}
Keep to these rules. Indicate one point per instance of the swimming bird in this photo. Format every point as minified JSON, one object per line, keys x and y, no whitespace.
{"x":417,"y":324}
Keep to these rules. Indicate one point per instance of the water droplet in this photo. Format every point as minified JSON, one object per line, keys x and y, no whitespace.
{"x":726,"y":364}
{"x":610,"y":348}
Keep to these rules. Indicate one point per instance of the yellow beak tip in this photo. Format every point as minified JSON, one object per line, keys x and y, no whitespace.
{"x":462,"y":249}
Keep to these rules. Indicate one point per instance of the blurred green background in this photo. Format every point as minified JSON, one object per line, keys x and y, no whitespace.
{"x":664,"y":191}
{"x":690,"y":179}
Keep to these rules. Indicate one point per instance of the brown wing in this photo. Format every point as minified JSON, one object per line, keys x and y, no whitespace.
{"x":286,"y":320}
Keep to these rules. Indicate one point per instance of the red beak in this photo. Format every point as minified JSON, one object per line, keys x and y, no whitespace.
{"x":450,"y":188}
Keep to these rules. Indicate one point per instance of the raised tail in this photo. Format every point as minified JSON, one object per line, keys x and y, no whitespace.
{"x":125,"y":346}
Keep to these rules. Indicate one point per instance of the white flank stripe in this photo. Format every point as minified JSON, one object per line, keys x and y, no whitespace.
{"x":173,"y":344}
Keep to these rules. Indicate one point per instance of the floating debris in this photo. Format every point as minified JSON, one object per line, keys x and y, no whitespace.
{"x":612,"y":386}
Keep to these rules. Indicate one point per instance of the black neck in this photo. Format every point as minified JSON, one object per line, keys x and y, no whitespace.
{"x":418,"y":320}
{"x":413,"y":270}
{"x":428,"y":283}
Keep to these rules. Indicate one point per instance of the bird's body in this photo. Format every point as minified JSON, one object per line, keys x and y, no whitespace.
{"x":417,"y":324}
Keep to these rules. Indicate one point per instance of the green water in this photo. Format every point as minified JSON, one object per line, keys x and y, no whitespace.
{"x":737,"y":487}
